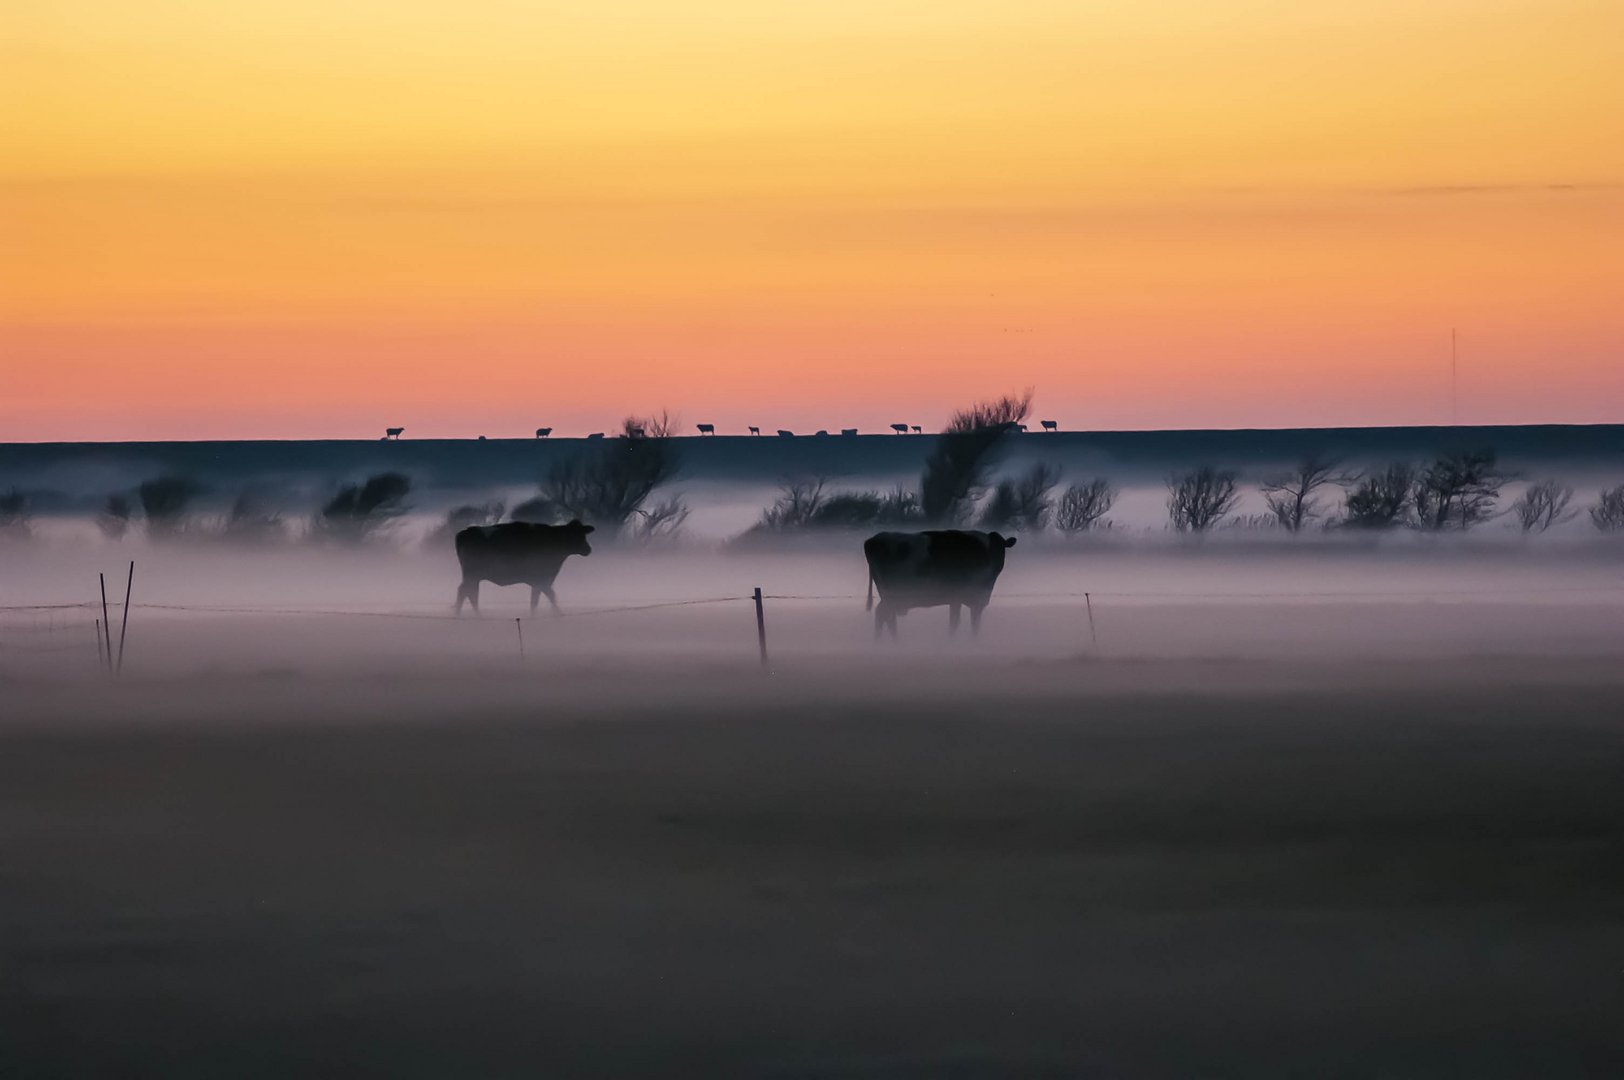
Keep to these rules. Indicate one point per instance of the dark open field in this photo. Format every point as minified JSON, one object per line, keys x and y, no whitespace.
{"x":1347,"y":815}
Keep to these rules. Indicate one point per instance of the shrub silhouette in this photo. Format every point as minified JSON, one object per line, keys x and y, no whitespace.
{"x":1608,"y":513}
{"x":461,"y":517}
{"x":537,"y":510}
{"x":955,"y":473}
{"x":359,"y":511}
{"x":114,"y":519}
{"x":1290,"y":496}
{"x":1198,"y":500}
{"x":1457,"y":491}
{"x":1542,"y":505}
{"x":164,"y":503}
{"x":1083,"y":506}
{"x":609,"y":483}
{"x":1379,"y":500}
{"x":251,"y":521}
{"x":1023,"y":502}
{"x":15,"y":521}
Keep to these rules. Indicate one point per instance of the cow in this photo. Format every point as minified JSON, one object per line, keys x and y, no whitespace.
{"x":393,"y":433}
{"x":596,"y":435}
{"x":517,"y":553}
{"x":754,"y":430}
{"x":848,"y":431}
{"x":782,"y":434}
{"x":917,"y":429}
{"x":1050,"y":425}
{"x":706,"y":429}
{"x":900,"y":429}
{"x":955,"y":567}
{"x":543,"y":432}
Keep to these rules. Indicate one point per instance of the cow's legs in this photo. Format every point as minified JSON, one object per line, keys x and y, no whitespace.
{"x":952,"y":619}
{"x":880,"y":615}
{"x":975,"y":619}
{"x":469,"y":591}
{"x":536,"y":592}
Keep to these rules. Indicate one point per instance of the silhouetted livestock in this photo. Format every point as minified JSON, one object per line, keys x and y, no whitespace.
{"x":820,"y":431}
{"x":782,"y":434}
{"x":956,"y":567}
{"x":596,"y":435}
{"x":1050,"y":425}
{"x":393,"y":433}
{"x":755,"y":430}
{"x":917,"y":429}
{"x":706,"y":429}
{"x":517,"y":553}
{"x":543,"y":432}
{"x":900,"y":429}
{"x":848,"y":431}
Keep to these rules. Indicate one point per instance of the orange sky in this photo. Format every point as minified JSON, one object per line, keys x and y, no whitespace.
{"x":299,"y":218}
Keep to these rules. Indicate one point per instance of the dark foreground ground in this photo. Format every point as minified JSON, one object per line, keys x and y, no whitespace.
{"x":1125,"y":869}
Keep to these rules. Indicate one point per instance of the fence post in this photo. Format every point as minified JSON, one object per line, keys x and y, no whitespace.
{"x":761,"y":629}
{"x":1092,"y":636}
{"x":101,"y":661}
{"x":107,"y":624}
{"x":518,"y":624}
{"x":124,"y":625}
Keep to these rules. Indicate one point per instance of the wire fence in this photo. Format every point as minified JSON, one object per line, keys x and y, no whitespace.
{"x":79,"y":627}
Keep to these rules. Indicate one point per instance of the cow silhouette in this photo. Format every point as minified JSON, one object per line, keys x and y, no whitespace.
{"x":392,"y":433}
{"x":517,"y":553}
{"x":848,"y":431}
{"x":706,"y":429}
{"x":1050,"y":425}
{"x":955,"y":567}
{"x":596,"y":435}
{"x":782,"y":434}
{"x":822,"y":432}
{"x":918,"y":430}
{"x":543,"y":432}
{"x":755,"y":430}
{"x":900,"y":429}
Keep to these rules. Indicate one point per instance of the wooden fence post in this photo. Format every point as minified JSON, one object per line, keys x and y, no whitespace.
{"x":1092,"y":636}
{"x":124,"y":625}
{"x":761,"y":629}
{"x":518,"y":624}
{"x":107,"y":624}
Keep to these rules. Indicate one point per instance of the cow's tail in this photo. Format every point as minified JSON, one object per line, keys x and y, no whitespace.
{"x":870,"y":606}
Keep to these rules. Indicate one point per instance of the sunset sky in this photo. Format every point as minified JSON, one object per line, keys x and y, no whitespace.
{"x":307,"y":218}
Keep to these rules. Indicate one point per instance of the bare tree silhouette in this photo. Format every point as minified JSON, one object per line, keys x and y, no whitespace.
{"x":165,"y":501}
{"x":1608,"y":513}
{"x":955,"y":473}
{"x":1457,"y":491}
{"x":1379,"y":500}
{"x":360,"y":511}
{"x":1543,"y":504}
{"x":609,"y":483}
{"x":1023,"y":502}
{"x":1198,"y":500}
{"x":1290,"y":496}
{"x":114,"y":519}
{"x":1084,"y":506}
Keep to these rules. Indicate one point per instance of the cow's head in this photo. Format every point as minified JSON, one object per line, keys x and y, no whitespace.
{"x":997,"y":545}
{"x":576,"y":532}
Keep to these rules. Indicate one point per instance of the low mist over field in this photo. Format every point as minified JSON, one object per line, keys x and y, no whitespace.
{"x":1215,"y":789}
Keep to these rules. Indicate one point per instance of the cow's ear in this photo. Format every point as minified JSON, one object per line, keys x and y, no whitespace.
{"x":1010,"y":542}
{"x":586,"y":528}
{"x":575,"y":523}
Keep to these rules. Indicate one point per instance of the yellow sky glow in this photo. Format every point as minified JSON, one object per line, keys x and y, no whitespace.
{"x":304,"y":218}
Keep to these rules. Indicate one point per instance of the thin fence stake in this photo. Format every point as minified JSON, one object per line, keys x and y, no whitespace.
{"x":761,"y":629}
{"x":124,"y":624}
{"x":1092,"y":636}
{"x":101,"y":661}
{"x":107,"y":624}
{"x":518,"y":624}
